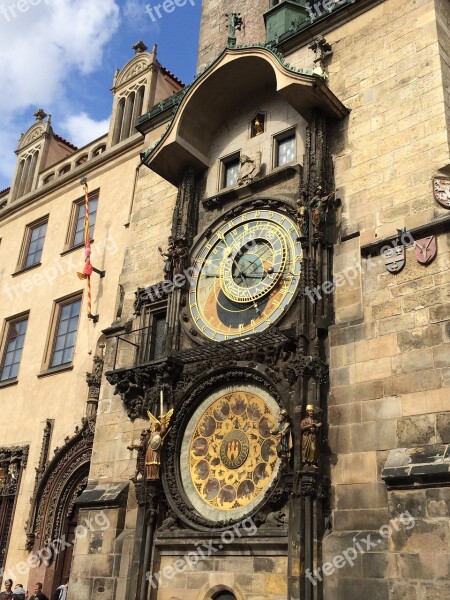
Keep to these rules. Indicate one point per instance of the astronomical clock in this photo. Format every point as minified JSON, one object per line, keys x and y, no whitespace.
{"x":245,"y":275}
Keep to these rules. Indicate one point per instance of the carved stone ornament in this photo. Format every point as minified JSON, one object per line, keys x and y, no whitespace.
{"x":58,"y":487}
{"x":12,"y":460}
{"x":249,"y":168}
{"x":394,"y":258}
{"x":425,"y":250}
{"x":441,"y":190}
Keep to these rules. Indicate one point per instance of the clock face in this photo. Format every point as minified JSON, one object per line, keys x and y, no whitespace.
{"x":228,"y":455}
{"x":245,"y":275}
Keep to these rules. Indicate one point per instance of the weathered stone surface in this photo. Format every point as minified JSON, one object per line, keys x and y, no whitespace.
{"x":415,"y":360}
{"x":425,"y":536}
{"x":412,"y":382}
{"x":416,"y":431}
{"x":435,"y":591}
{"x":374,"y":435}
{"x":443,"y":427}
{"x":419,"y":338}
{"x":431,"y":401}
{"x":348,"y":520}
{"x":410,"y":502}
{"x":355,"y":589}
{"x":366,"y":495}
{"x":403,"y":591}
{"x":439,"y":313}
{"x":385,"y":408}
{"x":438,"y":502}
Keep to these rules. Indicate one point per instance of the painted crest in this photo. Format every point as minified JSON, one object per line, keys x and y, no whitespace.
{"x":394,"y":258}
{"x":425,"y":249}
{"x":441,"y":190}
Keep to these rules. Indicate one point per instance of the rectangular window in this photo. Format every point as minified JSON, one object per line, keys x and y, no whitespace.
{"x":33,"y":244}
{"x":76,"y":229}
{"x":15,"y":336}
{"x":65,"y":331}
{"x":230,"y":171}
{"x":152,"y":333}
{"x":285,"y":149}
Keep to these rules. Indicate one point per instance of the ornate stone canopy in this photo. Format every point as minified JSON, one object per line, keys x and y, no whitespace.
{"x":237,"y":74}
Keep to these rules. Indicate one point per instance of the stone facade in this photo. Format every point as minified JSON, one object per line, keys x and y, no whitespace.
{"x":370,"y":353}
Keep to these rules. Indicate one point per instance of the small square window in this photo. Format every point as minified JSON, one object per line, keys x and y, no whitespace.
{"x":12,"y":352}
{"x":230,"y":171}
{"x":65,"y":331}
{"x":285,"y":149}
{"x":76,"y":229}
{"x":33,"y":244}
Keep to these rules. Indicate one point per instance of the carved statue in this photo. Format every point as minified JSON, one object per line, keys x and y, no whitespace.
{"x":257,"y":126}
{"x":158,"y":431}
{"x":319,"y":205}
{"x":168,"y":255}
{"x":180,"y":254}
{"x":302,"y":217}
{"x":276,"y":519}
{"x":310,"y":428}
{"x":284,"y":436}
{"x":141,"y":450}
{"x":249,"y":168}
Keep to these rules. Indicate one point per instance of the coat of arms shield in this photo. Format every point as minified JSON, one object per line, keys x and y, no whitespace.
{"x":441,"y":190}
{"x":425,"y":250}
{"x":394,"y":258}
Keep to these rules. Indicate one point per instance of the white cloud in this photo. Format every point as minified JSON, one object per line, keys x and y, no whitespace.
{"x":41,"y":48}
{"x":81,"y":129}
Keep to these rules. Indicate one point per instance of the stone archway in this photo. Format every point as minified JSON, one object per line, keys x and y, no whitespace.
{"x":52,"y":523}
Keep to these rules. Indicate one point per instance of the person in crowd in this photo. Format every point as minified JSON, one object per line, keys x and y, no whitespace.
{"x":19,"y":592}
{"x":7,"y":594}
{"x":61,"y":592}
{"x":38,"y":595}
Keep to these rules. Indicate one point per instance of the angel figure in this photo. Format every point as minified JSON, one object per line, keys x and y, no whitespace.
{"x":159,"y":428}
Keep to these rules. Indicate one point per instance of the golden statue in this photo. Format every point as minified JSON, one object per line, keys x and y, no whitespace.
{"x":309,"y":428}
{"x":159,"y":428}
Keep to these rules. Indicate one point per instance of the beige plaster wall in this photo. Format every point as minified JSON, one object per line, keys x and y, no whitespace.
{"x":61,"y":396}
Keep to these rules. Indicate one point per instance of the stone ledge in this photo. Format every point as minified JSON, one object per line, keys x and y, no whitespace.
{"x":417,"y":467}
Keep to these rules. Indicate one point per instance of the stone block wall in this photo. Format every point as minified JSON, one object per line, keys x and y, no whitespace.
{"x":249,"y":577}
{"x":214,"y":26}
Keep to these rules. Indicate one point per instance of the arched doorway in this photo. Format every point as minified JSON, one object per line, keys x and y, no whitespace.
{"x":54,"y":515}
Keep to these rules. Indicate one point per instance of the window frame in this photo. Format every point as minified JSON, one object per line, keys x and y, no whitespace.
{"x":225,"y":162}
{"x":53,"y":329}
{"x":8,"y":323}
{"x":147,"y":330}
{"x":26,"y":242}
{"x":279,"y":138}
{"x":71,"y":230}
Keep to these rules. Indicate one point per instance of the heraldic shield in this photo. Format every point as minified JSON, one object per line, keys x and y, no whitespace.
{"x":394,"y":258}
{"x":441,"y":190}
{"x":425,"y":250}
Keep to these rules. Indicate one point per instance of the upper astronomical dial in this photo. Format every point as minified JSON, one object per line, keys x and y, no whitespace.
{"x":255,"y":262}
{"x":245,"y":274}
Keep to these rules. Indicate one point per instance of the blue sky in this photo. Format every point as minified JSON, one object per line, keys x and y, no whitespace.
{"x":60,"y":55}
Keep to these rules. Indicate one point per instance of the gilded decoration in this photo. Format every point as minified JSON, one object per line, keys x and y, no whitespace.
{"x":232,"y":454}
